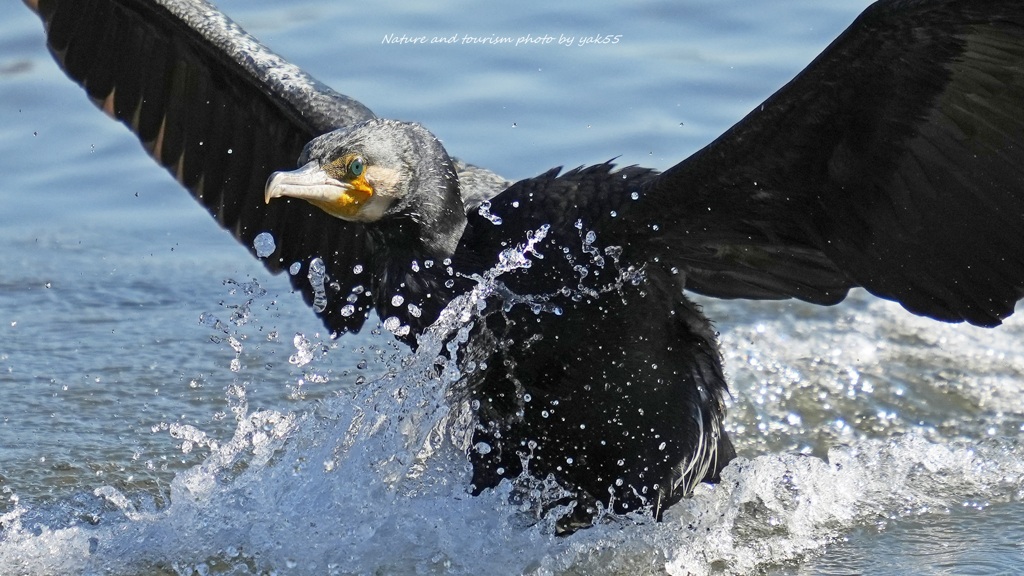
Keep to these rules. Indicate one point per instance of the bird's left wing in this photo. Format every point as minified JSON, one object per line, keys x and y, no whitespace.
{"x":895,"y":162}
{"x":220,"y":112}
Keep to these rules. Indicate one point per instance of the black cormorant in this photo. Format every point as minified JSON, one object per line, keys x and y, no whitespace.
{"x":894,"y":162}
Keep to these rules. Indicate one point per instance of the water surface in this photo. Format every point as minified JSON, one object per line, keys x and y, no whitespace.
{"x":168,"y":405}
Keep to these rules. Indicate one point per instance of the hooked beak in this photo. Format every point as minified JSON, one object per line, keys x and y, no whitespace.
{"x":308,"y":183}
{"x":311,"y":183}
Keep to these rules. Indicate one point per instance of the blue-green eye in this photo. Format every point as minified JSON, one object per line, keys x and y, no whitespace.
{"x":355,"y":167}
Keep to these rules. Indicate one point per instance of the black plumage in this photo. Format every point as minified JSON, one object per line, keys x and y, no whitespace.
{"x":894,"y":162}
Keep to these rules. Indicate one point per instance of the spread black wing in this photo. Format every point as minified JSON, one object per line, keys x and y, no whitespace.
{"x":221,"y":113}
{"x":895,"y":162}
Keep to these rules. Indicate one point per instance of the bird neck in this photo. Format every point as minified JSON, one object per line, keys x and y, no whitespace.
{"x":404,"y":239}
{"x":409,"y":258}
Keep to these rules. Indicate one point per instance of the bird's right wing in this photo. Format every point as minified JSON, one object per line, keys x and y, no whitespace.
{"x":220,"y":112}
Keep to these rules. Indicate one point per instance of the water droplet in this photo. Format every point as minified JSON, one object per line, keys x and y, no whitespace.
{"x":316,"y":275}
{"x":294,"y":268}
{"x":397,"y":300}
{"x":485,"y":211}
{"x":264,"y":244}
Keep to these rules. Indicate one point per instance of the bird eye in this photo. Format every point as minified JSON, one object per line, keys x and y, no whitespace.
{"x":355,"y":167}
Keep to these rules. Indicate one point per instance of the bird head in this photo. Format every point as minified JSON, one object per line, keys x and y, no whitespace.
{"x":367,"y":172}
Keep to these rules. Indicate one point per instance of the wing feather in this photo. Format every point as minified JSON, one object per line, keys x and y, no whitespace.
{"x":220,"y":112}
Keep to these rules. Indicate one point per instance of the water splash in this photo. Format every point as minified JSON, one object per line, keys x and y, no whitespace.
{"x":300,"y":495}
{"x":375,"y":481}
